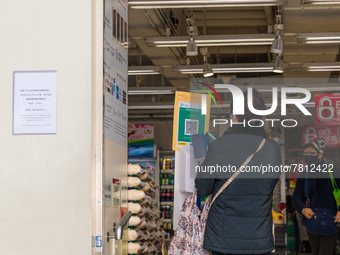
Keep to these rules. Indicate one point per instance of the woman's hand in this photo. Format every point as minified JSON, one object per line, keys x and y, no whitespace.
{"x":308,"y":213}
{"x":337,"y":217}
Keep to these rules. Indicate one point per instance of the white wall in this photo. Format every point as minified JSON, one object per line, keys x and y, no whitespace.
{"x":45,"y":183}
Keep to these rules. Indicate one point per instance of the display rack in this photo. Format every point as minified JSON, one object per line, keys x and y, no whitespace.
{"x":147,"y":162}
{"x":166,"y":178}
{"x":145,"y":233}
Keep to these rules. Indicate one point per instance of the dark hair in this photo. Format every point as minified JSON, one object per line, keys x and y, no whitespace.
{"x":258,"y":104}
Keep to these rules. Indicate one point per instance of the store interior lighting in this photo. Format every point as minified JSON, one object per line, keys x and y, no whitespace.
{"x":225,"y":68}
{"x":192,"y":47}
{"x":157,"y":4}
{"x":151,"y":107}
{"x":220,"y":89}
{"x":321,"y":66}
{"x":207,"y":70}
{"x":211,"y":40}
{"x":156,"y":90}
{"x":145,"y":70}
{"x":320,"y":2}
{"x":318,"y":38}
{"x":225,"y":105}
{"x":278,"y":65}
{"x":277,"y":46}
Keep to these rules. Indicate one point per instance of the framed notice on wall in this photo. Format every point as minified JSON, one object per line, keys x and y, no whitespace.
{"x":34,"y":102}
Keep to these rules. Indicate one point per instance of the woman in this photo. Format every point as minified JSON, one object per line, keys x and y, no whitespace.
{"x":240,"y":219}
{"x":320,"y":191}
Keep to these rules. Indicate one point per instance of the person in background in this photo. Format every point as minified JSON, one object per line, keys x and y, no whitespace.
{"x":240,"y":220}
{"x":320,"y":191}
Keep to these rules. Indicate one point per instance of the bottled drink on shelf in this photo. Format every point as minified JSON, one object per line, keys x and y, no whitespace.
{"x":163,"y":212}
{"x":164,"y":196}
{"x":168,"y":163}
{"x":164,"y":180}
{"x":169,"y":228}
{"x":167,"y":179}
{"x":161,"y":179}
{"x":172,"y":196}
{"x":165,"y":227}
{"x":164,"y":163}
{"x":172,"y":180}
{"x":171,"y":212}
{"x":167,"y":214}
{"x":168,"y":194}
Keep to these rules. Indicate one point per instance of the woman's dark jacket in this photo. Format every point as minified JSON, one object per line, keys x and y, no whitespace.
{"x":320,"y":190}
{"x":240,"y":219}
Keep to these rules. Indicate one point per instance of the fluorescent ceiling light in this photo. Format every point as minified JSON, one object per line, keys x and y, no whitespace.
{"x":156,"y":4}
{"x":319,"y":38}
{"x":145,"y":70}
{"x":220,"y":88}
{"x":211,"y":40}
{"x":225,"y":105}
{"x":225,"y":68}
{"x":320,"y":2}
{"x":150,"y":107}
{"x":157,"y":90}
{"x":321,"y":66}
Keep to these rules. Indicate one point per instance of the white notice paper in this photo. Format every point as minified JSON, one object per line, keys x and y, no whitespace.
{"x":34,"y":102}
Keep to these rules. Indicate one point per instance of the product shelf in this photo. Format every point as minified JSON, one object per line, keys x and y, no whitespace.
{"x":167,"y":171}
{"x":167,"y":220}
{"x":167,"y":186}
{"x":167,"y":203}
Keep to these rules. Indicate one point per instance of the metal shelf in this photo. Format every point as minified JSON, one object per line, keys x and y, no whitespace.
{"x":167,"y":186}
{"x":167,"y":220}
{"x":167,"y":171}
{"x":167,"y":203}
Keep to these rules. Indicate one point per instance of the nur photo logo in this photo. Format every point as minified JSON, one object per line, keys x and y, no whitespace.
{"x":238,"y":103}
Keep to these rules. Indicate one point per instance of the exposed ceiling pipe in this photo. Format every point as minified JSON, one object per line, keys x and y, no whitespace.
{"x":233,"y":23}
{"x":147,"y":15}
{"x":151,"y":116}
{"x":228,"y":15}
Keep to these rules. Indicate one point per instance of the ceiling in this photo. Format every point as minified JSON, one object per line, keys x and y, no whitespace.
{"x":224,"y":21}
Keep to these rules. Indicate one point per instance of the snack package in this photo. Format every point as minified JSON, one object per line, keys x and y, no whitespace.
{"x":134,"y":195}
{"x":135,"y":169}
{"x":135,"y":221}
{"x":141,"y":248}
{"x":134,"y":207}
{"x":135,"y":234}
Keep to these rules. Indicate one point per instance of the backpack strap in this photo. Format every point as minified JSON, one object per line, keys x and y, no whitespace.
{"x":226,"y":184}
